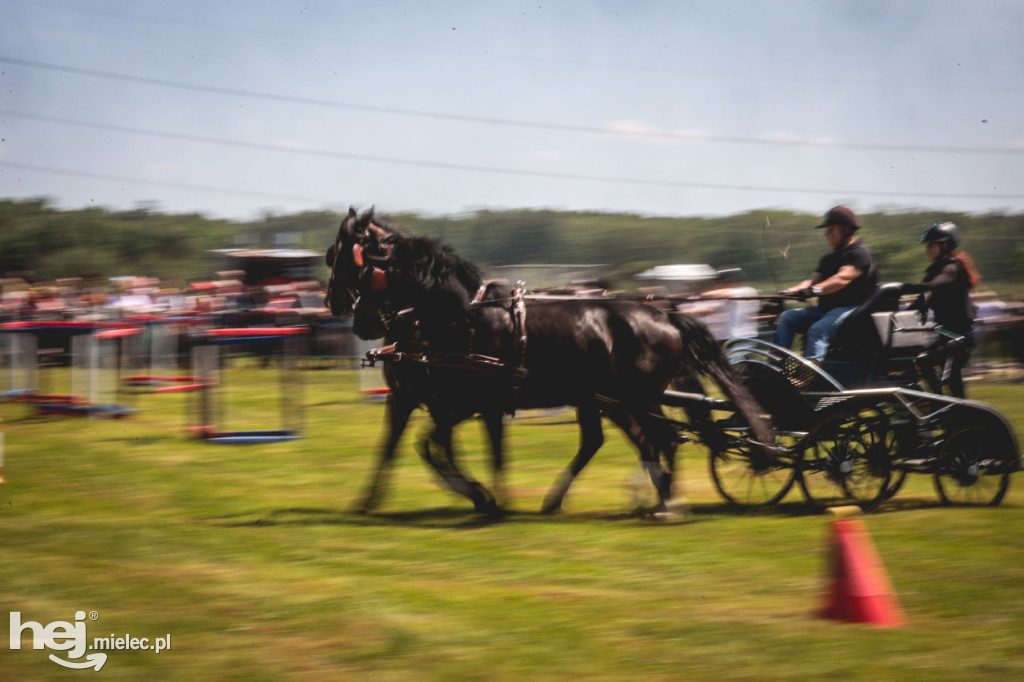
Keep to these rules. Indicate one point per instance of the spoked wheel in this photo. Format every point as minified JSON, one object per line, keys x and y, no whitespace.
{"x":897,"y":450}
{"x":895,"y":483}
{"x":968,"y":473}
{"x":845,"y":459}
{"x":748,"y":478}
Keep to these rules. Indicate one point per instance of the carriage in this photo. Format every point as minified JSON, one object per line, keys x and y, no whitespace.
{"x":855,"y":427}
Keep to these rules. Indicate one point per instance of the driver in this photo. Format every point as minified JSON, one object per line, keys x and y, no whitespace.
{"x":844,"y":278}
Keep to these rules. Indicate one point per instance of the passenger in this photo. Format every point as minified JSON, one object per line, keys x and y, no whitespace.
{"x":845,"y":278}
{"x":946,"y":292}
{"x":735,"y":315}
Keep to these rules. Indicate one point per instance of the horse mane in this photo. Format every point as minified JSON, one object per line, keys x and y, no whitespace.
{"x":430,"y":265}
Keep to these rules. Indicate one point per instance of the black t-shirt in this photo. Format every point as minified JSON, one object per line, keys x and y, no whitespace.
{"x":856,"y":292}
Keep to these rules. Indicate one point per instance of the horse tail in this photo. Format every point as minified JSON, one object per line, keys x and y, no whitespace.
{"x":702,"y":354}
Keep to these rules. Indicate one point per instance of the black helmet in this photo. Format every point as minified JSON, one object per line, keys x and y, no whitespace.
{"x":942,"y":232}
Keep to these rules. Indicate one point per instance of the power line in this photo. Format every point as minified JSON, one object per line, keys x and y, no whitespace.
{"x":254,"y":193}
{"x":156,"y":183}
{"x":419,"y":163}
{"x":485,"y":120}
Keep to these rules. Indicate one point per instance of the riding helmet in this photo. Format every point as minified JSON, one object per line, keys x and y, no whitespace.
{"x":942,"y":232}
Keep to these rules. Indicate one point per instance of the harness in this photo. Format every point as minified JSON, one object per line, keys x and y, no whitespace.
{"x":415,"y":350}
{"x":517,"y":313}
{"x":378,"y":264}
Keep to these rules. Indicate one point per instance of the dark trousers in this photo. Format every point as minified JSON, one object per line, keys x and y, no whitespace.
{"x":932,"y":363}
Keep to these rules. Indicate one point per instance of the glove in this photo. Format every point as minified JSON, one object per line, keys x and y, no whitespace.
{"x":805,"y":293}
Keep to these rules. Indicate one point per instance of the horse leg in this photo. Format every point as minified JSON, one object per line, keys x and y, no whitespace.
{"x":591,"y":440}
{"x":494,"y":423}
{"x":636,"y":426}
{"x":668,"y":446}
{"x":398,"y":412}
{"x":439,"y":453}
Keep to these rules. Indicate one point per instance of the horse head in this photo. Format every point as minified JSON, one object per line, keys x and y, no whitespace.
{"x":377,"y":271}
{"x":359,"y":259}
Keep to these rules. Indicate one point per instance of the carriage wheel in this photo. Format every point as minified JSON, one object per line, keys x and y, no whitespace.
{"x":897,"y":451}
{"x":845,"y":459}
{"x":748,"y":478}
{"x":895,"y":483}
{"x":968,"y":475}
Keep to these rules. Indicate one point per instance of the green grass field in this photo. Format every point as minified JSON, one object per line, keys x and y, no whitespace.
{"x":248,"y":558}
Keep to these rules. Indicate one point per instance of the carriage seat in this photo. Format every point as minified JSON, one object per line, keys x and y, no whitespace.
{"x":859,"y":333}
{"x":878,"y":340}
{"x":903,"y":333}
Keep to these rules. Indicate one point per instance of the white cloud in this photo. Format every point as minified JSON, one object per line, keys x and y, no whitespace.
{"x":794,"y":138}
{"x":544,"y":155}
{"x":293,"y":145}
{"x":164,"y":166}
{"x":694,"y":134}
{"x":653,"y":134}
{"x":629,"y":127}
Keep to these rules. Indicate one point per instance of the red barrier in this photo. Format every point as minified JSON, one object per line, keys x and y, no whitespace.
{"x":255,"y":331}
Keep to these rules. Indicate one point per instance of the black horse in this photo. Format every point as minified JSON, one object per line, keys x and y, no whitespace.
{"x":481,"y":348}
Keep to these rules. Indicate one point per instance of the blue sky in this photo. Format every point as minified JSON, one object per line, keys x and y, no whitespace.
{"x":236,"y":108}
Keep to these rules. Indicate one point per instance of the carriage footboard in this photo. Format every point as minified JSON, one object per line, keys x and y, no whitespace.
{"x":681,"y":399}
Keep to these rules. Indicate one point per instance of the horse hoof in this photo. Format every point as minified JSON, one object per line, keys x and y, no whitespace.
{"x":676,"y":510}
{"x":493,"y":513}
{"x":551,"y":507}
{"x":364,"y":508}
{"x":486,"y":505}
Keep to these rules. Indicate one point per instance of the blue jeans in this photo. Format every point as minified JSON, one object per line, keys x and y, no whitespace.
{"x":820,"y":326}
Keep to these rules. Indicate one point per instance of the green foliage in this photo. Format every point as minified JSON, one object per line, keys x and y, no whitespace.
{"x":44,"y":243}
{"x":773,"y":247}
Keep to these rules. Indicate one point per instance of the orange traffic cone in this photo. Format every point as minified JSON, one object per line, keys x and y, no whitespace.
{"x":859,"y":588}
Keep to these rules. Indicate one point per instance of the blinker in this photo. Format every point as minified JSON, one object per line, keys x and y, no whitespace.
{"x":357,"y":255}
{"x":379,"y":279}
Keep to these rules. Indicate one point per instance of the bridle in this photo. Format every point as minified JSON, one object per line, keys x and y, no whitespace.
{"x":372,"y":260}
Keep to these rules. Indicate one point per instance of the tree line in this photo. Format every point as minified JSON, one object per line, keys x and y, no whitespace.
{"x":39,"y":242}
